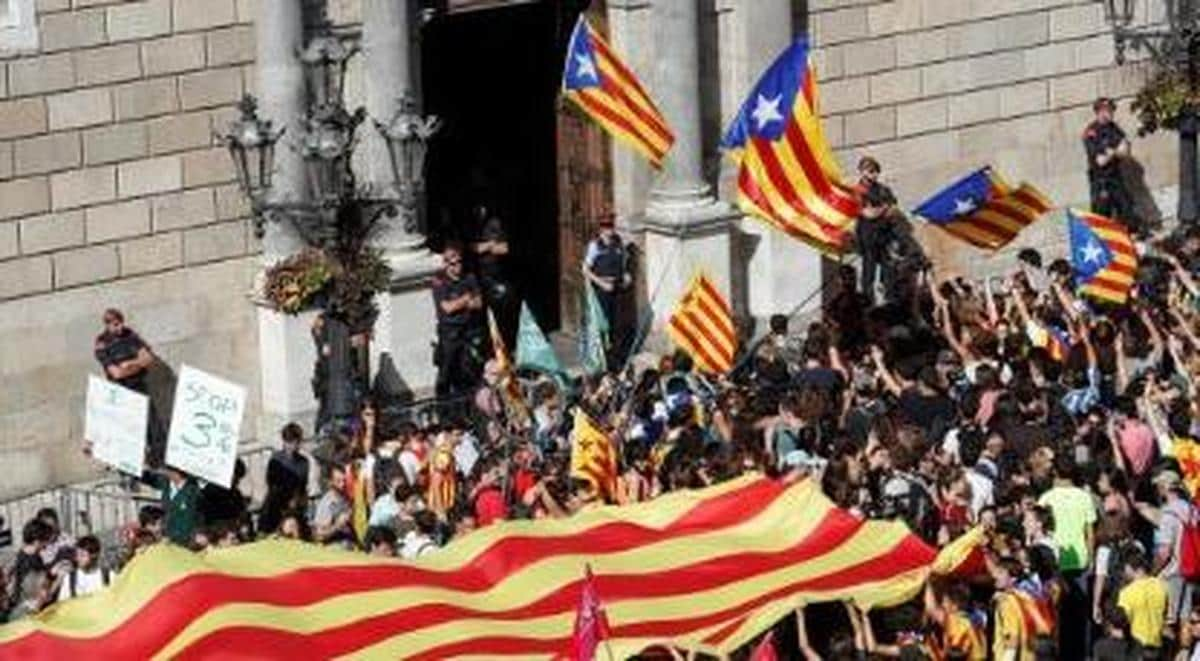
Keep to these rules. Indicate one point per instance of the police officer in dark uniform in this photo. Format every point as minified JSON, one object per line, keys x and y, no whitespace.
{"x":1106,"y":145}
{"x":459,"y":301}
{"x":607,"y":266}
{"x":490,"y":247}
{"x":875,"y":227}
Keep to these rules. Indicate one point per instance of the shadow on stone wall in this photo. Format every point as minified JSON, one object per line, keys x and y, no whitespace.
{"x":1134,"y":175}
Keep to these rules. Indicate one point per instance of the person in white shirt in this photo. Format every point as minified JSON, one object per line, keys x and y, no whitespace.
{"x":88,"y":575}
{"x":420,"y":541}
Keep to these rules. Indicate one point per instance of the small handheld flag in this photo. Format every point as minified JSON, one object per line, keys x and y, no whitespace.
{"x":591,"y":624}
{"x":787,"y":174}
{"x":1103,"y":256}
{"x":982,"y":210}
{"x":509,"y":386}
{"x":702,"y":325}
{"x":593,"y":457}
{"x":597,"y":81}
{"x":533,"y":349}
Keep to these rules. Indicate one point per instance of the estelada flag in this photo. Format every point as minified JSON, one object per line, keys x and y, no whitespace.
{"x":593,"y":457}
{"x":702,"y":325}
{"x":1103,"y":256}
{"x":591,"y":624}
{"x":983,"y":210}
{"x":787,"y":174}
{"x":597,"y":81}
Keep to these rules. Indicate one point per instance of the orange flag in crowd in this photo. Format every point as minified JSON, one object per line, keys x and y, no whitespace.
{"x":593,"y":457}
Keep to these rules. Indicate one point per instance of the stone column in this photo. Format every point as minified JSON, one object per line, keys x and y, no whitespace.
{"x":686,"y":228}
{"x":286,"y":351}
{"x":387,"y":60}
{"x":279,"y":34}
{"x":406,"y":323}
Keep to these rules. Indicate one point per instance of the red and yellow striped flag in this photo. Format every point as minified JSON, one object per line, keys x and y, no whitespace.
{"x":597,"y":81}
{"x":709,"y":570}
{"x":593,"y":457}
{"x":443,"y":478}
{"x":510,"y":387}
{"x":702,"y":325}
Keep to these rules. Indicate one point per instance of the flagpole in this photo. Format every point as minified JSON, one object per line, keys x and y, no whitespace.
{"x":647,"y":319}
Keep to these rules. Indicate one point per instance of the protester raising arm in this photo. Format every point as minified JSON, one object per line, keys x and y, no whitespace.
{"x":890,"y":382}
{"x":806,"y":649}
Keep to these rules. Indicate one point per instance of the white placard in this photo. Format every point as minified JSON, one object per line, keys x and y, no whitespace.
{"x":205,"y":426}
{"x":114,"y":422}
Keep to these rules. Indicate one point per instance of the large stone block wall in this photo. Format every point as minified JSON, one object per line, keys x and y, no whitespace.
{"x":114,"y":193}
{"x":935,"y":88}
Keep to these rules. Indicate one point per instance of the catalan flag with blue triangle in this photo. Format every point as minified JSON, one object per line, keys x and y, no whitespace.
{"x":1103,"y":256}
{"x":787,"y":174}
{"x":983,"y":210}
{"x":604,"y":88}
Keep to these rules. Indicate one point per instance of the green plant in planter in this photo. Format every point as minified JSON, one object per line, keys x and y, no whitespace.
{"x":1162,"y":101}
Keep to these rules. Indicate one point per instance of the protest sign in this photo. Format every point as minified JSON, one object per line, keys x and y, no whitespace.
{"x":114,"y":423}
{"x":205,"y":426}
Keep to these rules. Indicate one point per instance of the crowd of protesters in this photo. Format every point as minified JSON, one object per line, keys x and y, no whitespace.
{"x":1010,"y":407}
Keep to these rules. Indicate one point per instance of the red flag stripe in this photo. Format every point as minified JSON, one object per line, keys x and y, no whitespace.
{"x":693,"y":345}
{"x":774,"y":171}
{"x":600,"y":110}
{"x":651,"y":122}
{"x":845,"y":204}
{"x":627,"y":76}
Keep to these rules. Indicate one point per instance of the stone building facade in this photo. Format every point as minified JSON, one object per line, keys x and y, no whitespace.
{"x":114,"y":193}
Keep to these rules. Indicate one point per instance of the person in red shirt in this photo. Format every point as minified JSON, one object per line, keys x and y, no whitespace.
{"x":488,"y":496}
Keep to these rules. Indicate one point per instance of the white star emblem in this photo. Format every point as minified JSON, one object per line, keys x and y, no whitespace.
{"x":1091,"y":252}
{"x":964,"y":206}
{"x":767,"y":111}
{"x":585,"y":67}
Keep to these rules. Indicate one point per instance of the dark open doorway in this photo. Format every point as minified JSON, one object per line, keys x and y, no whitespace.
{"x":493,"y":77}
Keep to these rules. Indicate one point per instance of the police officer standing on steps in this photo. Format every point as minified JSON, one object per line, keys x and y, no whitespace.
{"x":874,"y":229}
{"x":607,"y":267}
{"x":459,"y":351}
{"x":1106,"y":145}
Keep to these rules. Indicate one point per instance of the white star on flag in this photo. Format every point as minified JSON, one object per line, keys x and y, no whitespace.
{"x":767,"y":111}
{"x":1091,"y":252}
{"x":963,"y":206}
{"x":586,"y":68}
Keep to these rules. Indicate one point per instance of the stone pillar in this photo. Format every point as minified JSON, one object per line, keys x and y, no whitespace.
{"x":387,"y":59}
{"x":279,"y":34}
{"x":778,"y":272}
{"x":286,"y":351}
{"x":686,"y":228}
{"x":406,"y":324}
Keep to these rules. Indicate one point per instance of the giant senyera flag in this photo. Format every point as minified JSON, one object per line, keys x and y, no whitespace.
{"x":787,"y":174}
{"x":707,"y":570}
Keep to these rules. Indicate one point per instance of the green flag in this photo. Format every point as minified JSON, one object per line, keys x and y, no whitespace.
{"x":533,"y":349}
{"x":592,"y":335}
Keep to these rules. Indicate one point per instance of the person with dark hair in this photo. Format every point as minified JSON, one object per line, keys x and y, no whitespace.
{"x":1117,"y":643}
{"x":34,"y":537}
{"x":873,"y":231}
{"x":420,"y":540}
{"x":331,"y":519}
{"x":1106,"y":146}
{"x":380,"y":542}
{"x":460,"y":326}
{"x":287,"y":479}
{"x":1144,"y":600}
{"x":180,"y":503}
{"x":89,"y":574}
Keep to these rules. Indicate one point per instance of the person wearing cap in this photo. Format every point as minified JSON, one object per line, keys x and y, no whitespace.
{"x":873,"y":230}
{"x":1106,"y":145}
{"x":1170,"y":520}
{"x":606,"y":265}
